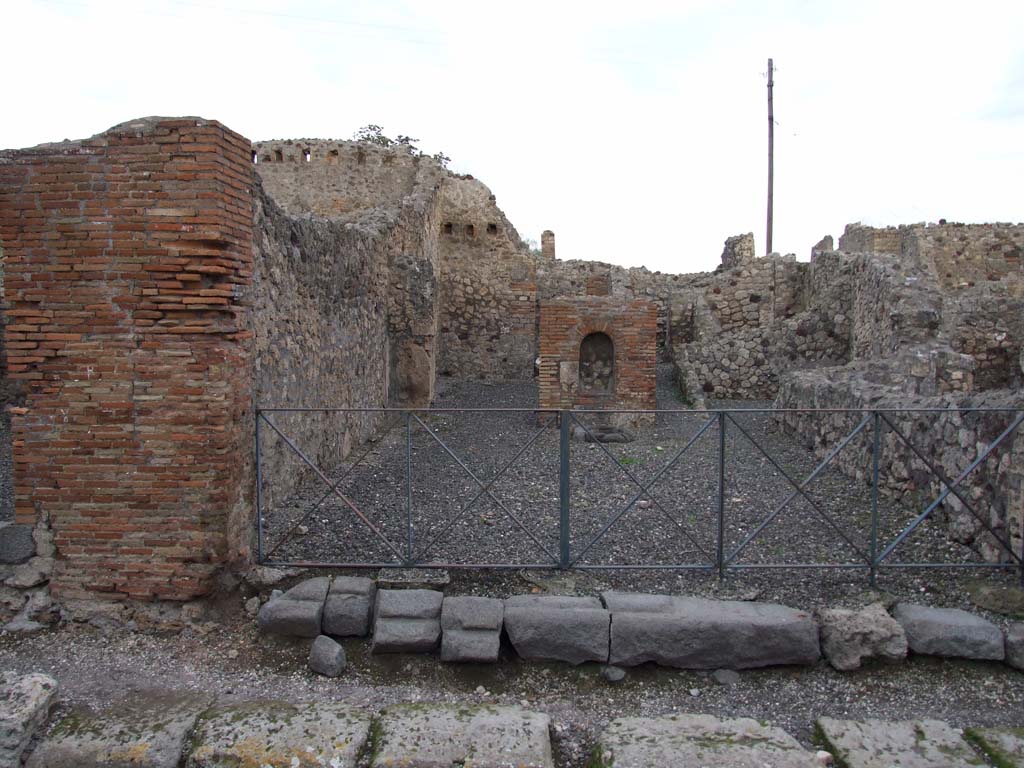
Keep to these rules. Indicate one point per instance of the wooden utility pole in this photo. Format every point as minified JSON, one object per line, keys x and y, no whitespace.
{"x":771,"y":155}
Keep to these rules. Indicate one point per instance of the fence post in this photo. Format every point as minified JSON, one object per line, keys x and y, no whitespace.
{"x":875,"y":455}
{"x":259,"y":493}
{"x":408,"y":488}
{"x":563,"y":489}
{"x":721,"y":495}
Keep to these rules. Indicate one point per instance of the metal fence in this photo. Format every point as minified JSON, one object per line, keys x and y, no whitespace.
{"x":565,"y":534}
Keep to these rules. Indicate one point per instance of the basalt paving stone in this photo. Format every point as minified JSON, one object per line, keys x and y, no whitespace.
{"x":1004,"y":746}
{"x":570,"y":629}
{"x":693,"y":741}
{"x":149,"y":730}
{"x":442,"y":736}
{"x":906,"y":744}
{"x":275,"y":734}
{"x":471,"y":628}
{"x":25,"y":702}
{"x":949,"y":632}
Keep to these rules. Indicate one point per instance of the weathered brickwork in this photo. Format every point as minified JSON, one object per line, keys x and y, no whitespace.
{"x":564,"y":324}
{"x":127,"y":258}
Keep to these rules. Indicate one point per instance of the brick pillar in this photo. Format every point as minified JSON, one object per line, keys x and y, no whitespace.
{"x":547,"y":244}
{"x":126,"y":261}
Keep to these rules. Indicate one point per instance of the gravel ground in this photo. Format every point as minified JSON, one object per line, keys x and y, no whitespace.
{"x":673,"y":523}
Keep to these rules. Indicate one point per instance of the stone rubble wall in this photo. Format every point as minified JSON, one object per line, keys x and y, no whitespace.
{"x":950,"y":441}
{"x":321,"y":339}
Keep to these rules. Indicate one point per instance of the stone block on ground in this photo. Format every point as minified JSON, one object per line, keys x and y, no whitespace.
{"x":149,"y":731}
{"x":25,"y":702}
{"x":698,"y":740}
{"x":907,"y":744}
{"x":406,"y":621}
{"x":440,"y":736}
{"x":949,"y":632}
{"x":1015,"y":646}
{"x":297,"y":612}
{"x":348,"y":611}
{"x":471,"y":628}
{"x":298,"y":618}
{"x":16,"y":543}
{"x":570,"y":629}
{"x":850,"y":636}
{"x":1004,"y":746}
{"x":695,"y":633}
{"x":326,"y":657}
{"x":280,"y":735}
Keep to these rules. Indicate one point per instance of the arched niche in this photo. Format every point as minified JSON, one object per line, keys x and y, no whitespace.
{"x":597,"y":363}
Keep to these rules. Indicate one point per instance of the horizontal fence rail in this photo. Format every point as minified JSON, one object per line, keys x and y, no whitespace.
{"x":560,"y":533}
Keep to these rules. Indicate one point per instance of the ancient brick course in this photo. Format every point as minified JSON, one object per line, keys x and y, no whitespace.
{"x":127,"y":261}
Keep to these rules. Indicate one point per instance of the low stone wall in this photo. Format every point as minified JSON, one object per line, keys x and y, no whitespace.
{"x":950,"y":441}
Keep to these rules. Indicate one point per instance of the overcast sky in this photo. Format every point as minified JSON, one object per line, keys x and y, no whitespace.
{"x":637,"y":131}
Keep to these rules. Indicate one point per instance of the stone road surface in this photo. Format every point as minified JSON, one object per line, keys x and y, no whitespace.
{"x":153,"y":730}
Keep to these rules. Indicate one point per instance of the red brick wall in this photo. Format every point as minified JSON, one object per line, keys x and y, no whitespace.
{"x":632,"y":327}
{"x":126,"y":257}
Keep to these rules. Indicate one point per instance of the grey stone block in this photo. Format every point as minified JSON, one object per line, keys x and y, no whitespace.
{"x":149,"y":731}
{"x":848,"y":637}
{"x":1015,"y":646}
{"x":569,"y":634}
{"x":279,"y":734}
{"x":16,"y":543}
{"x":711,"y":634}
{"x":353,"y":585}
{"x":481,"y":613}
{"x":408,"y":603}
{"x":552,"y":601}
{"x":441,"y":736}
{"x":25,"y":702}
{"x":407,"y":621}
{"x":949,"y":632}
{"x":298,"y":618}
{"x":347,"y":615}
{"x":471,"y":629}
{"x":398,"y":635}
{"x":326,"y":657}
{"x":908,"y":744}
{"x":314,"y":590}
{"x":698,"y":740}
{"x":470,"y":645}
{"x":637,"y":602}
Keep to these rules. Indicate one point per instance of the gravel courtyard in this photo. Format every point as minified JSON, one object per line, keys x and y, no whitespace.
{"x":672,"y":523}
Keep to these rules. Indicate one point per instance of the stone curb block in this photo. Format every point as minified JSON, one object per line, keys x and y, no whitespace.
{"x":558,"y":629}
{"x":950,"y":632}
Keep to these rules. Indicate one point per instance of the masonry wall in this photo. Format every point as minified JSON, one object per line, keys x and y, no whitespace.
{"x":127,"y":258}
{"x":387,"y":200}
{"x":320,"y":322}
{"x":488,"y":299}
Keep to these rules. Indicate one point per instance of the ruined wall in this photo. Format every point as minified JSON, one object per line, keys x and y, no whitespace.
{"x":950,"y":441}
{"x":320,"y":322}
{"x":488,"y":290}
{"x":387,"y":197}
{"x":127,"y":258}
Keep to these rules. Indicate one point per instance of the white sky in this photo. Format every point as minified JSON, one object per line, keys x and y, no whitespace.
{"x":636,"y":131}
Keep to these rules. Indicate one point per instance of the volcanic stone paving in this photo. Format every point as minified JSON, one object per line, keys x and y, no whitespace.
{"x":658,"y":507}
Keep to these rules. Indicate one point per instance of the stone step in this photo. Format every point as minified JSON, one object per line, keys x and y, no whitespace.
{"x":907,"y":744}
{"x":1004,"y":746}
{"x":275,"y":734}
{"x":442,"y":736}
{"x":25,"y":702}
{"x":149,"y":732}
{"x":698,"y":740}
